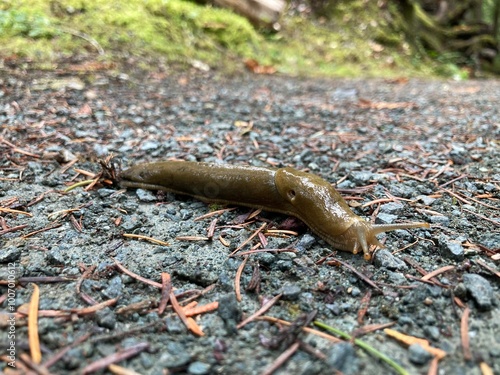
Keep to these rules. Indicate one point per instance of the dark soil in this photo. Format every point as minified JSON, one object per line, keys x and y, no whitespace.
{"x":427,"y":149}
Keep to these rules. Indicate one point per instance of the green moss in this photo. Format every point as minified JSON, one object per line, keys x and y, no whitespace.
{"x":354,"y":42}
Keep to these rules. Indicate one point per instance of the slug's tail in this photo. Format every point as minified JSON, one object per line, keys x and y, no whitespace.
{"x":382,"y":228}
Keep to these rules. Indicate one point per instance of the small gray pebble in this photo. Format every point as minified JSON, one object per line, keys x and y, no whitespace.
{"x":199,"y":368}
{"x":145,"y":195}
{"x":384,"y":258}
{"x":438,"y":219}
{"x":392,"y":208}
{"x":114,"y":289}
{"x":150,"y":146}
{"x":291,"y":291}
{"x":305,"y":242}
{"x":10,"y":254}
{"x":55,"y":256}
{"x":103,"y":193}
{"x":174,"y":325}
{"x":385,"y":218}
{"x":106,"y":318}
{"x":432,"y":332}
{"x":342,"y":357}
{"x":418,"y":355}
{"x":450,"y":249}
{"x":426,"y":199}
{"x":480,"y":289}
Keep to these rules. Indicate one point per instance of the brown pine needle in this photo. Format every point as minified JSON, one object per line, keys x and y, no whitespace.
{"x":433,"y":367}
{"x":119,"y":370}
{"x":198,"y":310}
{"x":485,"y":369}
{"x":11,"y":211}
{"x":409,"y":340}
{"x":434,"y":273}
{"x":166,"y":289}
{"x":464,"y":334}
{"x":261,"y":311}
{"x":282,"y":358}
{"x":115,"y":357}
{"x":191,"y":238}
{"x":34,"y":341}
{"x":57,"y":225}
{"x":146,"y":238}
{"x":188,"y":322}
{"x":249,"y":239}
{"x":213,"y":213}
{"x":237,"y":279}
{"x":136,"y":276}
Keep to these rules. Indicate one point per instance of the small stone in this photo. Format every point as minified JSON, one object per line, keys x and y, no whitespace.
{"x":10,"y":254}
{"x":291,"y":291}
{"x":480,"y":290}
{"x":392,"y":208}
{"x":199,"y":368}
{"x":145,"y":195}
{"x":229,"y":310}
{"x":55,"y":256}
{"x":451,"y":249}
{"x":114,"y":289}
{"x":106,"y":318}
{"x":103,"y":193}
{"x":342,"y":357}
{"x":305,"y":242}
{"x":205,"y":149}
{"x":418,"y":355}
{"x":426,"y":199}
{"x":438,"y":219}
{"x":384,"y":258}
{"x":432,"y":332}
{"x":385,"y":218}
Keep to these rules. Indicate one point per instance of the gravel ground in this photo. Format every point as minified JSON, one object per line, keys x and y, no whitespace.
{"x":417,"y":150}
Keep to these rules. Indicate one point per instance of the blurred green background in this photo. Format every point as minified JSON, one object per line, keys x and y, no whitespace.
{"x":313,"y":38}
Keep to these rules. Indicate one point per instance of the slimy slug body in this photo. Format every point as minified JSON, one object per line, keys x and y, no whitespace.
{"x":285,"y":190}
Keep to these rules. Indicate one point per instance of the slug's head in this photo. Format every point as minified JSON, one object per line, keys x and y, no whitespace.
{"x":361,"y":235}
{"x":322,"y":208}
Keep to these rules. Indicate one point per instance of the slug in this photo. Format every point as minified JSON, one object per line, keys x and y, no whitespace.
{"x":284,"y":190}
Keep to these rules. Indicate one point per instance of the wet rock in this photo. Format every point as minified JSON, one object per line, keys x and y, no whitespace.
{"x":130,"y":222}
{"x":384,"y":258}
{"x":490,"y":240}
{"x":114,"y":289}
{"x":291,"y":291}
{"x":395,"y":208}
{"x":418,"y":355}
{"x":150,"y":146}
{"x":342,"y":357}
{"x":106,"y":318}
{"x":480,"y":290}
{"x":439,"y":219}
{"x":305,"y":242}
{"x":199,"y":368}
{"x":229,"y":311}
{"x":426,"y":199}
{"x":450,"y":248}
{"x":385,"y":218}
{"x":145,"y":195}
{"x":176,"y":356}
{"x":56,"y":256}
{"x":10,"y":254}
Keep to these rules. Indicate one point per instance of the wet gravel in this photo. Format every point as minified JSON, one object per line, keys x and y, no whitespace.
{"x":431,"y":145}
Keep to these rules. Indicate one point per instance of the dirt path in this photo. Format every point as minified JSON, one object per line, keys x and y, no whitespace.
{"x":401,"y":151}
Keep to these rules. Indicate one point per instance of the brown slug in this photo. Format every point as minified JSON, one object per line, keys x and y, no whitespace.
{"x":285,"y":190}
